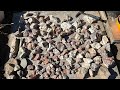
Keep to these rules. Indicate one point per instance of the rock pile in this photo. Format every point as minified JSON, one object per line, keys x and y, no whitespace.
{"x":51,"y":48}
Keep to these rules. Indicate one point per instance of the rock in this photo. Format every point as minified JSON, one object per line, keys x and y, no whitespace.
{"x":60,"y":46}
{"x":31,"y":74}
{"x":65,"y":26}
{"x":29,"y":39}
{"x":39,"y":39}
{"x":20,"y":73}
{"x":75,"y":24}
{"x":16,"y":68}
{"x":94,"y":66}
{"x":107,"y":47}
{"x":8,"y":70}
{"x":78,"y":60}
{"x":55,"y":58}
{"x":102,"y":51}
{"x":46,"y":61}
{"x":86,"y":35}
{"x":103,"y":73}
{"x":35,"y":32}
{"x":38,"y":67}
{"x":82,"y":72}
{"x":37,"y":57}
{"x":76,"y":66}
{"x":85,"y":65}
{"x":72,"y":54}
{"x":88,"y":19}
{"x":104,"y":40}
{"x":69,"y":47}
{"x":29,"y":46}
{"x":23,"y":78}
{"x":93,"y":37}
{"x":108,"y":61}
{"x":93,"y":45}
{"x":54,"y":19}
{"x":23,"y":63}
{"x":97,"y":59}
{"x":38,"y":49}
{"x":45,"y":44}
{"x":43,"y":27}
{"x":87,"y":55}
{"x":70,"y":60}
{"x":30,"y":67}
{"x":79,"y":56}
{"x":91,"y":29}
{"x":92,"y":52}
{"x":11,"y":77}
{"x":32,"y":20}
{"x":56,"y":52}
{"x":91,"y":73}
{"x":41,"y":19}
{"x":87,"y":60}
{"x":77,"y":36}
{"x":34,"y":26}
{"x":12,"y":61}
{"x":68,"y":18}
{"x":97,"y":46}
{"x":58,"y":39}
{"x":25,"y":33}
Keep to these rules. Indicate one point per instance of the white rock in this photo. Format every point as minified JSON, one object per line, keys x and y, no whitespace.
{"x":55,"y":51}
{"x":92,"y":52}
{"x":97,"y":59}
{"x":91,"y":29}
{"x":53,"y":19}
{"x":88,"y":19}
{"x":43,"y":27}
{"x":23,"y":63}
{"x":65,"y":26}
{"x":79,"y":56}
{"x":31,"y":20}
{"x":97,"y":46}
{"x":107,"y":47}
{"x":85,"y":65}
{"x":17,"y":67}
{"x":75,"y":24}
{"x":34,"y":26}
{"x":69,"y":60}
{"x":104,"y":40}
{"x":87,"y":60}
{"x":90,"y":72}
{"x":77,"y":36}
{"x":103,"y":73}
{"x":94,"y":66}
{"x":78,"y":30}
{"x":39,"y":39}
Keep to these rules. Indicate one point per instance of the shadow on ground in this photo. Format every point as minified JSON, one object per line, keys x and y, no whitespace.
{"x":114,"y":52}
{"x":4,"y":48}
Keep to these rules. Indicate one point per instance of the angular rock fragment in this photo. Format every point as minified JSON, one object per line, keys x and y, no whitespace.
{"x":87,"y":60}
{"x":23,"y":63}
{"x":92,"y":52}
{"x":94,"y":66}
{"x":103,"y":73}
{"x":97,"y":59}
{"x":82,"y":73}
{"x":104,"y":40}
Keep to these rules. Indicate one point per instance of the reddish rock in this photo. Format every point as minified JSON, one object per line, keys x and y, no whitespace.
{"x":37,"y":57}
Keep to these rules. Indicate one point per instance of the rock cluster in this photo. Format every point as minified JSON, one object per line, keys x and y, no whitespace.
{"x":51,"y":48}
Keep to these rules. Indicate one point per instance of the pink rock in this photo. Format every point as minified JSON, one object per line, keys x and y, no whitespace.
{"x":37,"y":57}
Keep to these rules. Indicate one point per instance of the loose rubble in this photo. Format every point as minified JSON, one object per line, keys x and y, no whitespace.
{"x":51,"y":48}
